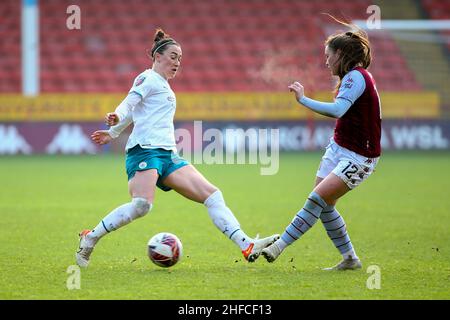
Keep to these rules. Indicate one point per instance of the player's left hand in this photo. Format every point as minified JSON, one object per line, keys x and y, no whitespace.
{"x":101,"y":137}
{"x":298,"y":89}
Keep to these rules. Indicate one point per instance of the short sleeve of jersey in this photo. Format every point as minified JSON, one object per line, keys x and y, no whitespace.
{"x":142,"y":85}
{"x":352,"y":87}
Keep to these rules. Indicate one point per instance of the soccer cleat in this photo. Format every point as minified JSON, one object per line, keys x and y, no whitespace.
{"x":271,"y":253}
{"x":254,"y":249}
{"x":346,"y":264}
{"x":84,"y":252}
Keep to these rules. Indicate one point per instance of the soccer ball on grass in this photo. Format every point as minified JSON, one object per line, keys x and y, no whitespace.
{"x":165,"y":249}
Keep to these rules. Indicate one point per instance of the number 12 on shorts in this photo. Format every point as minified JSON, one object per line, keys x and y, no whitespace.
{"x":350,"y":170}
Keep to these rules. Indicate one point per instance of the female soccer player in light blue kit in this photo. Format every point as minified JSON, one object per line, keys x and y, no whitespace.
{"x":353,"y":152}
{"x":152,"y":159}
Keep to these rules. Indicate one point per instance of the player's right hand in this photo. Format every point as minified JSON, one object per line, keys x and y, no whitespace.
{"x":101,"y":137}
{"x":298,"y":89}
{"x":111,"y":119}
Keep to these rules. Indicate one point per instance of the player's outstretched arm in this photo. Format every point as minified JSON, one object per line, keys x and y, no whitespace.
{"x":112,"y":119}
{"x":124,"y":109}
{"x":122,"y":117}
{"x":335,"y":109}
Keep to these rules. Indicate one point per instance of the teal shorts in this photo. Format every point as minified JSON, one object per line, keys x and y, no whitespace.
{"x":164,"y":161}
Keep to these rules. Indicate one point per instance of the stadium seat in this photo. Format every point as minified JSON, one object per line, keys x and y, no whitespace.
{"x":222,"y":52}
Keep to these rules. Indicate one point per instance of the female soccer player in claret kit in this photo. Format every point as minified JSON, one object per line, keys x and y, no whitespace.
{"x":352,"y":153}
{"x":152,"y":159}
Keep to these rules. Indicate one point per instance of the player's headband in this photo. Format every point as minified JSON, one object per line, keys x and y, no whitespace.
{"x":162,"y":45}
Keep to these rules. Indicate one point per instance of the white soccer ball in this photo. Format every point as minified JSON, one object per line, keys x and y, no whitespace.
{"x":165,"y":249}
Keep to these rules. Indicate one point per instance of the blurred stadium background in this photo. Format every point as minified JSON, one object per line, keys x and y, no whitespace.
{"x":239,"y":57}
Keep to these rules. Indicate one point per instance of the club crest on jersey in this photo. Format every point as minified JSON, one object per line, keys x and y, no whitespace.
{"x":349,"y":83}
{"x":139,"y":81}
{"x":142,"y":165}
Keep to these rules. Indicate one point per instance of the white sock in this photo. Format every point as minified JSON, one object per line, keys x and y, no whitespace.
{"x":350,"y":254}
{"x":114,"y":220}
{"x":241,"y":239}
{"x":98,"y":232}
{"x":120,"y":217}
{"x":225,"y":220}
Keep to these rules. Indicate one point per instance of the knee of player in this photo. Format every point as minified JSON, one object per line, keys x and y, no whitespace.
{"x":214,"y":198}
{"x":318,"y":199}
{"x":141,"y":207}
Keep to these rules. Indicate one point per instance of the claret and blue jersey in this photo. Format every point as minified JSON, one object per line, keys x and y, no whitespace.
{"x":359,"y":129}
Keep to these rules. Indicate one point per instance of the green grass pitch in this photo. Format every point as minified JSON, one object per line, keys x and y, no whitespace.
{"x":398,"y":221}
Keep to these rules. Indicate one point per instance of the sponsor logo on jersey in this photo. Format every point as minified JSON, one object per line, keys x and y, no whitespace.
{"x":11,"y":142}
{"x":70,"y":139}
